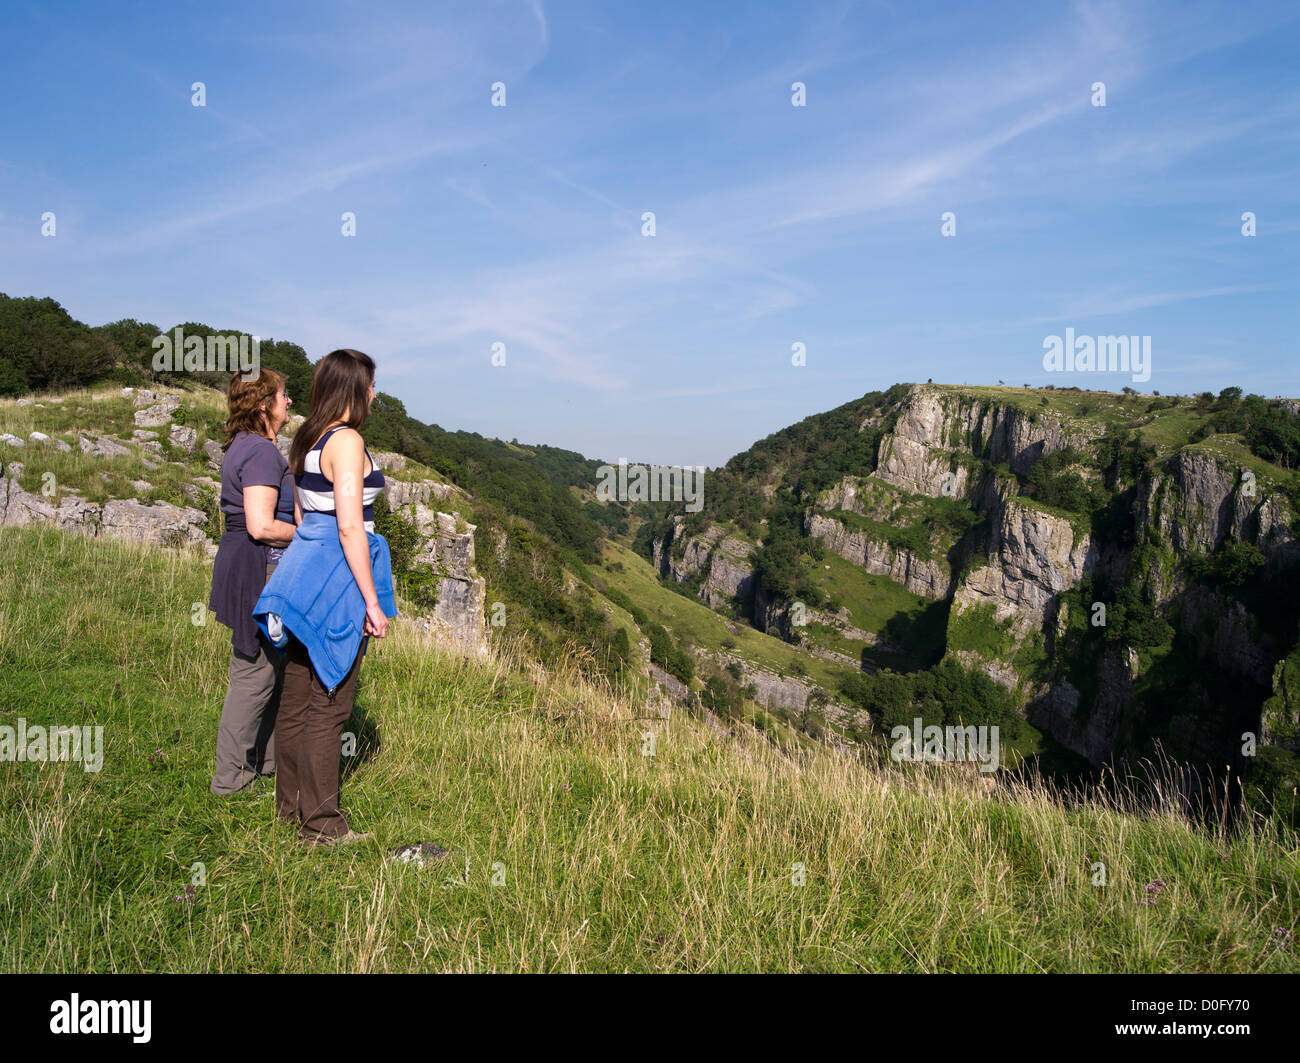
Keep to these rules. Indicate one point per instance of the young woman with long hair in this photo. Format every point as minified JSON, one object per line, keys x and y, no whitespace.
{"x":332,"y":592}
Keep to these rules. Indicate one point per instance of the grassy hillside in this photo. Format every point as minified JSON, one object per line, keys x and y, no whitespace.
{"x":687,"y":860}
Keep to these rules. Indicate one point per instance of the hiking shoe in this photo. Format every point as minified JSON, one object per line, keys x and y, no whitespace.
{"x":342,"y":839}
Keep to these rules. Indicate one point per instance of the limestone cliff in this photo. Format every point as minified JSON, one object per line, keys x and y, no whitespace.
{"x":1146,"y":532}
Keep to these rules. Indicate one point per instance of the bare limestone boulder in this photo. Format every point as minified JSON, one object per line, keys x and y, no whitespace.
{"x":12,"y":440}
{"x":19,"y":508}
{"x":78,"y":517}
{"x":390,"y":462}
{"x":183,"y":437}
{"x":215,"y":454}
{"x":155,"y":416}
{"x":161,"y":524}
{"x":103,"y":447}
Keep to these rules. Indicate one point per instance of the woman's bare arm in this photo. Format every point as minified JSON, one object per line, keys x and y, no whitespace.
{"x":343,"y":463}
{"x":259,"y":516}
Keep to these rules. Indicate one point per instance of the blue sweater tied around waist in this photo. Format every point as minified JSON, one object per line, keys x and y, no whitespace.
{"x":316,"y":598}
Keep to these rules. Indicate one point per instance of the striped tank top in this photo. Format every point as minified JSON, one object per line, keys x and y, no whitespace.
{"x":316,"y":491}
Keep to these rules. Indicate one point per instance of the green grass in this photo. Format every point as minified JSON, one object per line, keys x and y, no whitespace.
{"x":691,"y":620}
{"x":1105,"y":407}
{"x":977,"y":630}
{"x":610,"y":860}
{"x":1171,"y":430}
{"x":873,"y":603}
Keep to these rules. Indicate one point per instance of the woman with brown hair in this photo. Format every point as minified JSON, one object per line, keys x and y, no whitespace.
{"x":261,"y":518}
{"x":332,"y":591}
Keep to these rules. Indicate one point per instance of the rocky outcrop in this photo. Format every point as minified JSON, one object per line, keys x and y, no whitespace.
{"x":159,"y":524}
{"x":103,"y":447}
{"x":183,"y":438}
{"x":933,"y":425}
{"x":788,"y":692}
{"x":448,"y":550}
{"x":1091,"y":731}
{"x":78,"y":517}
{"x":215,"y":454}
{"x":1203,"y":500}
{"x":927,"y":577}
{"x":19,"y":508}
{"x":423,"y":492}
{"x":1034,"y":557}
{"x":722,"y":561}
{"x":157,"y":415}
{"x":389,"y":462}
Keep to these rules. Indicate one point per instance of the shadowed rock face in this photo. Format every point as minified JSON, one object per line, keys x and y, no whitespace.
{"x":1201,"y":501}
{"x":724,"y":561}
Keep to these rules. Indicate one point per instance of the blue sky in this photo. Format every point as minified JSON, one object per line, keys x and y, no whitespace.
{"x":775,"y":224}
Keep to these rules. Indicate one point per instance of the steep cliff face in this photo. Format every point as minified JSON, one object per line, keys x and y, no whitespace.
{"x":448,"y":549}
{"x":936,"y":429}
{"x":1033,"y":558}
{"x":722,"y":563}
{"x":1006,"y":569}
{"x":929,"y":577}
{"x":1201,"y":500}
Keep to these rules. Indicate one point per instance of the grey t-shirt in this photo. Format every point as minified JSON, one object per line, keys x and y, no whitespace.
{"x":253,"y":461}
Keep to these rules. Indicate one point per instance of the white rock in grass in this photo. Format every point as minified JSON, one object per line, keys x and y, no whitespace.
{"x":103,"y":447}
{"x":421,"y":854}
{"x":183,"y":437}
{"x":215,"y":454}
{"x":11,"y":440}
{"x":161,"y":524}
{"x":37,"y":437}
{"x":78,"y":517}
{"x":19,"y":509}
{"x":60,"y":445}
{"x":156,"y":416}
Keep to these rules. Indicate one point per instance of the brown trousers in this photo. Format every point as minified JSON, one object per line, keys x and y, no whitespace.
{"x":308,"y":734}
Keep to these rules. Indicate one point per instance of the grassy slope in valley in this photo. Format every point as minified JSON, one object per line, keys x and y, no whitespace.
{"x":612,"y":861}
